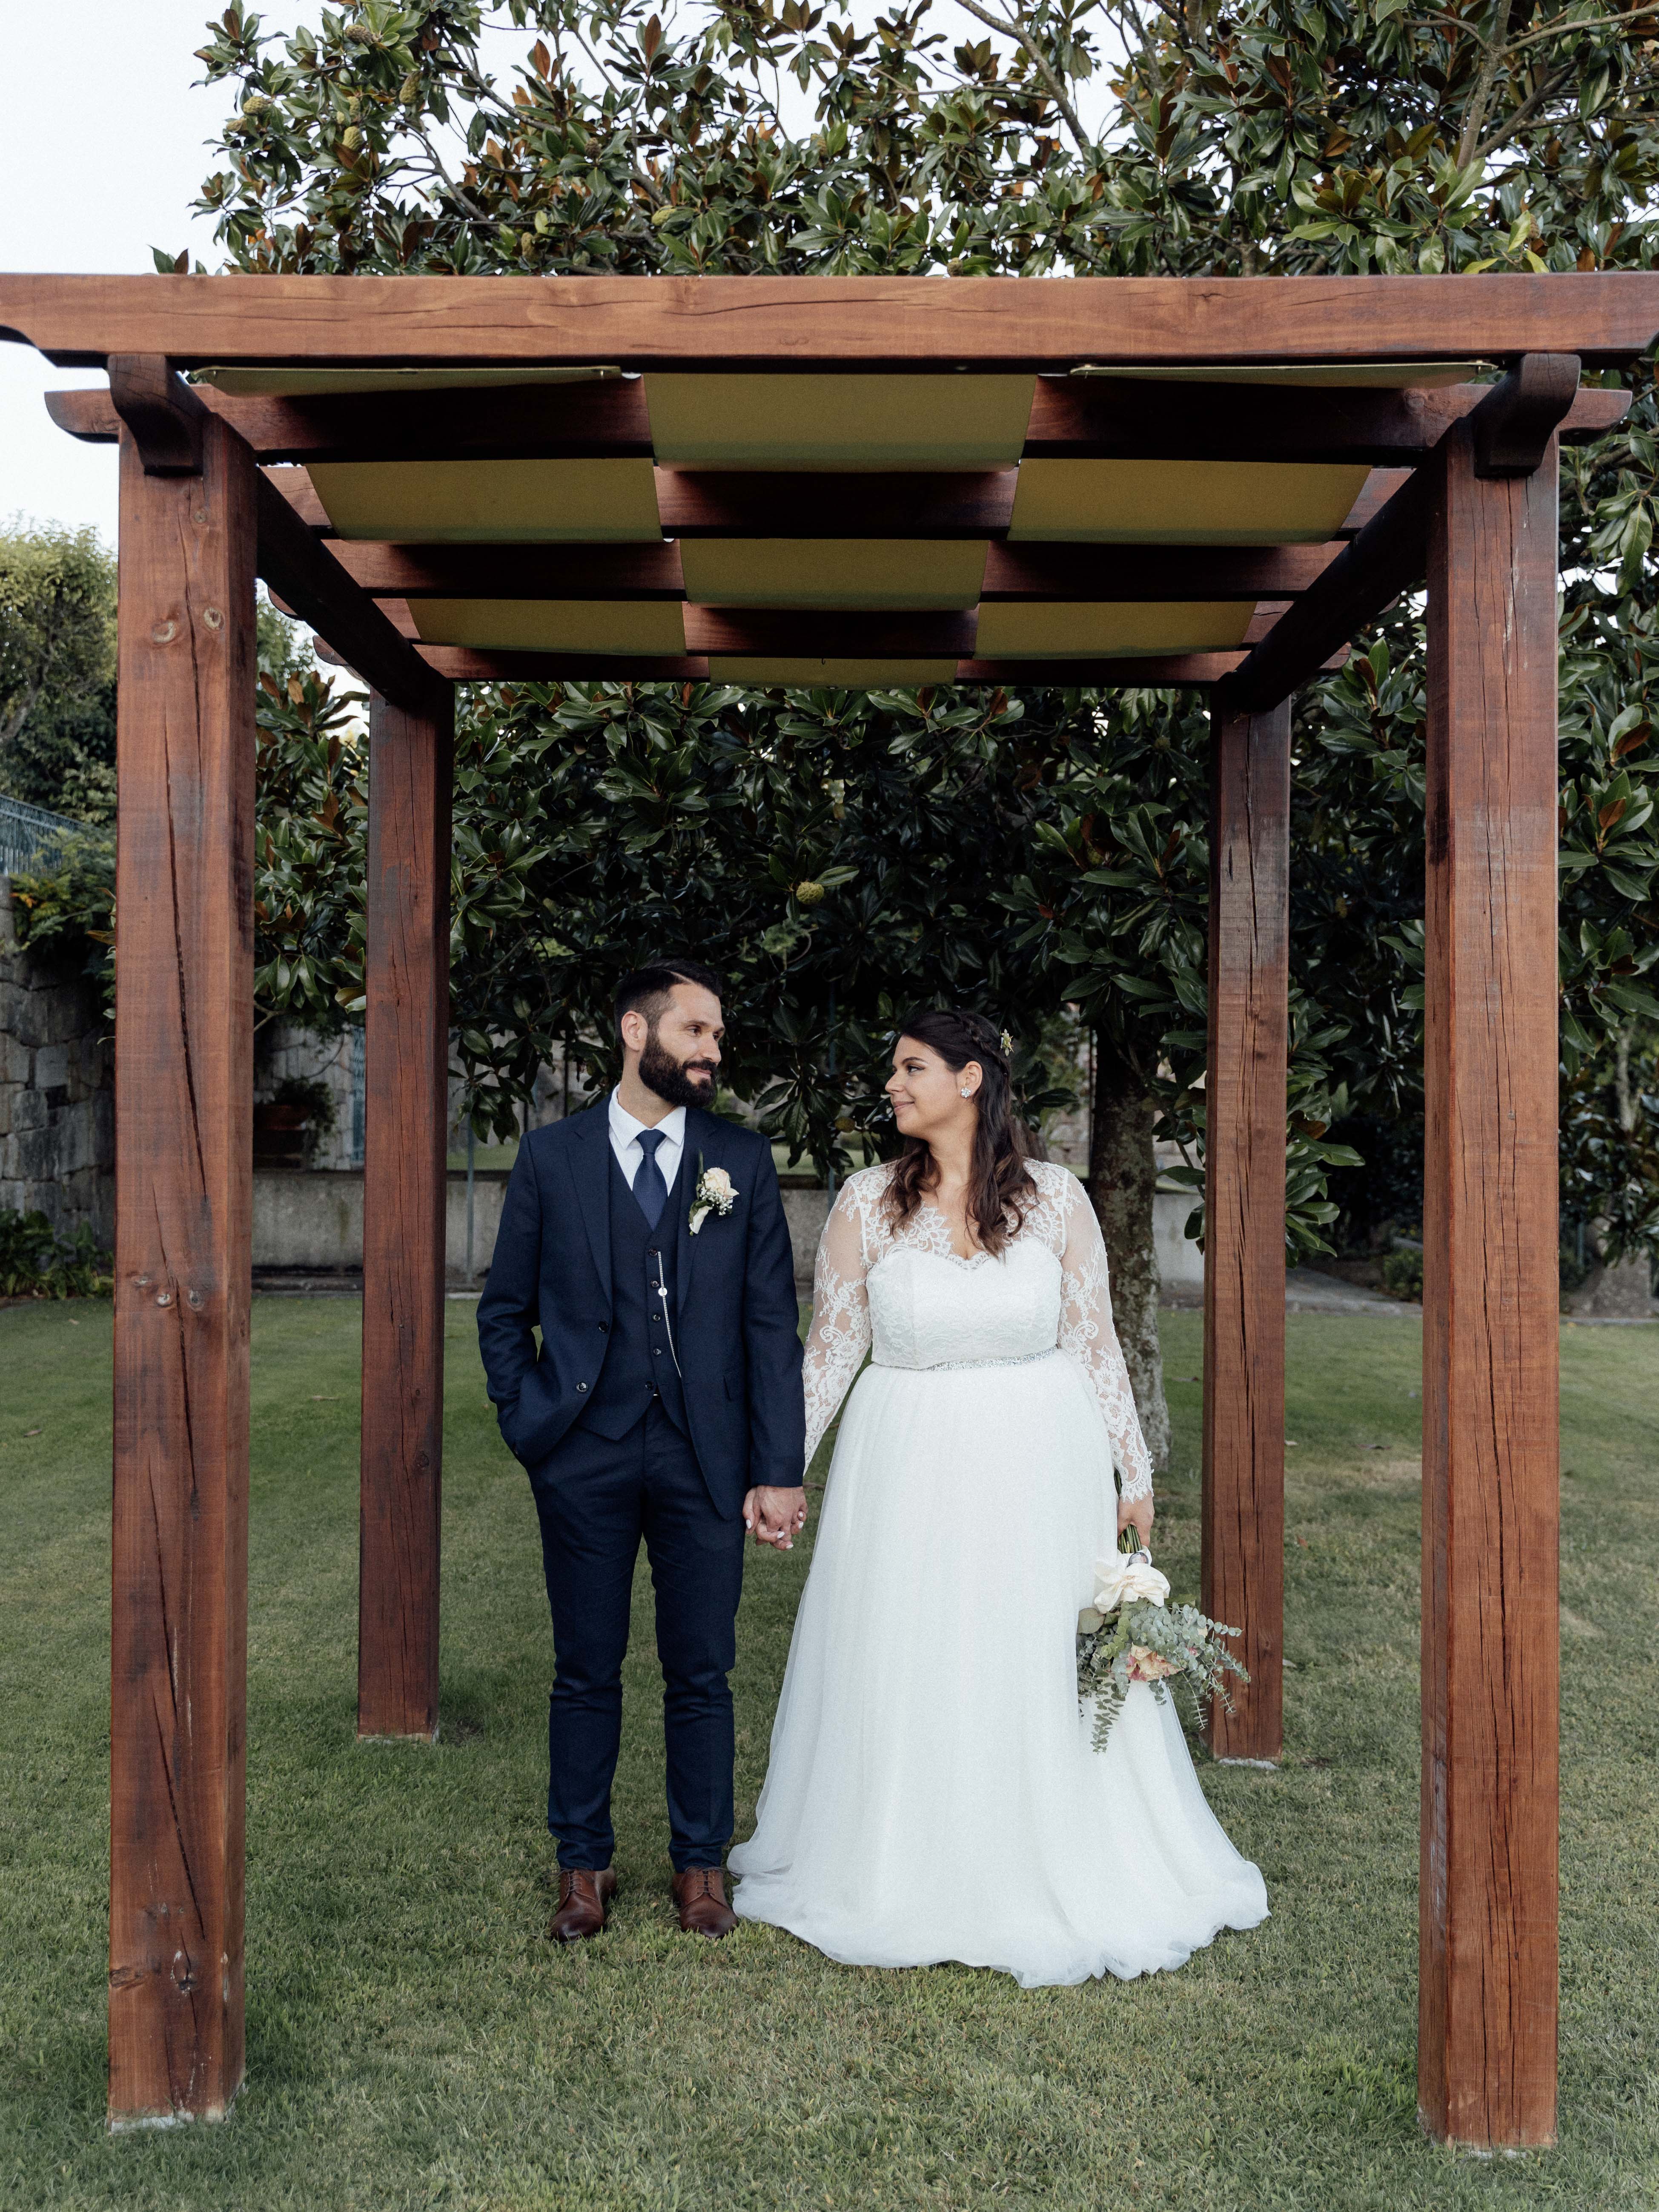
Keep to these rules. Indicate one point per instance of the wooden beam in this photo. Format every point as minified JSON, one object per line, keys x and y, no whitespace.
{"x":1109,"y":419}
{"x":511,"y":572}
{"x":1487,"y":2038}
{"x":1133,"y":418}
{"x":295,"y":487}
{"x":1084,"y":573}
{"x":785,"y":633}
{"x":827,"y":322}
{"x":1381,"y":486}
{"x":880,"y":514}
{"x":162,"y":414}
{"x":465,"y":664}
{"x":1390,"y":553}
{"x":1155,"y":671}
{"x":183,"y":1121}
{"x":406,"y":1122}
{"x":1243,"y":1506}
{"x":787,"y":503}
{"x":305,"y":574}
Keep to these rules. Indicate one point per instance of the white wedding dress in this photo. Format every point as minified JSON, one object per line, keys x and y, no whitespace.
{"x":933,"y":1792}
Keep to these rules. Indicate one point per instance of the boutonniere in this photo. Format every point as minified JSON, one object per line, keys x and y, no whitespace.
{"x":713,"y":1194}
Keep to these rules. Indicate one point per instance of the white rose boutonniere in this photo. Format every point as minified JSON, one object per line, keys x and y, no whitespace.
{"x":714,"y":1194}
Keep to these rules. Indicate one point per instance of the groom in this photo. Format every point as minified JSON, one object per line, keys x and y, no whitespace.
{"x":646,"y":1239}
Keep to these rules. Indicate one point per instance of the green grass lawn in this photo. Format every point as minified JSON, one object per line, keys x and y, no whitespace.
{"x":413,"y":2039}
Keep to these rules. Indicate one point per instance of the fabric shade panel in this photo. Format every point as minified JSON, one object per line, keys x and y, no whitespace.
{"x":891,"y":432}
{"x":1065,"y":630}
{"x":600,"y":502}
{"x":833,"y":572}
{"x":861,"y":423}
{"x":600,"y":626}
{"x":339,"y":383}
{"x":1184,"y":502}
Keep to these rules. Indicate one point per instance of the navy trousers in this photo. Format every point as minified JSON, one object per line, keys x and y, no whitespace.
{"x":596,"y":1499}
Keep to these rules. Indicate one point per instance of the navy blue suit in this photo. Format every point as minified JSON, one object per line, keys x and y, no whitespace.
{"x":629,"y":1430}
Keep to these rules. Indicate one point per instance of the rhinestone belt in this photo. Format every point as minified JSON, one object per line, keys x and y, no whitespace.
{"x":955,"y":1366}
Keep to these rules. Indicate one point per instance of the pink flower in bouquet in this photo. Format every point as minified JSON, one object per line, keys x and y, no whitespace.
{"x":1148,"y":1666}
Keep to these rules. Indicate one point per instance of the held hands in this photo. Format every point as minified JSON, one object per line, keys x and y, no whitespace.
{"x":775,"y":1517}
{"x":1136,"y":1513}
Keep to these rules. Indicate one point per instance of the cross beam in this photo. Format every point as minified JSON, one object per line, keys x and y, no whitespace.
{"x":983,"y":323}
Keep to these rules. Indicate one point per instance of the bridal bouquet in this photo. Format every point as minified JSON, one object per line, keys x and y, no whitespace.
{"x":1129,"y":1634}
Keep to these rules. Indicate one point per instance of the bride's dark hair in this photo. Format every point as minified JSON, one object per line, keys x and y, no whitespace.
{"x":999,"y":1187}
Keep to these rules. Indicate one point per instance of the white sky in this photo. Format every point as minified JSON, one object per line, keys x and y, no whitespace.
{"x":101,"y":152}
{"x":103,"y":145}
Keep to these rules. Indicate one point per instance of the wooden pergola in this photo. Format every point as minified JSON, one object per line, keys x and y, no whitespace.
{"x":1138,"y":482}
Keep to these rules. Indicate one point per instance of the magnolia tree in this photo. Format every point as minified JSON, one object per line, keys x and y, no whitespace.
{"x":1057,"y":850}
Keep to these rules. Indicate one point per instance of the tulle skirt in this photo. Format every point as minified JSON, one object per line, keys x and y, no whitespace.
{"x":933,"y":1792}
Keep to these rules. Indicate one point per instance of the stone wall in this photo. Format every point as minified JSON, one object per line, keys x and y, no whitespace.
{"x":57,"y":1096}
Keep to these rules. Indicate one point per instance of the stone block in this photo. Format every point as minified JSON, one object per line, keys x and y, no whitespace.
{"x":17,"y":1019}
{"x":7,"y":1094}
{"x":51,"y":1066}
{"x":15,"y":1059}
{"x":68,"y":1014}
{"x":28,"y":1110}
{"x":36,"y":1155}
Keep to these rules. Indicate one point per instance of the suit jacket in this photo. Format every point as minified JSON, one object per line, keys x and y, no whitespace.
{"x":736,"y":1323}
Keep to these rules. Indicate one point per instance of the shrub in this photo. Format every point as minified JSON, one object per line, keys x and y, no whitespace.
{"x":36,"y":1262}
{"x":1402,"y":1273}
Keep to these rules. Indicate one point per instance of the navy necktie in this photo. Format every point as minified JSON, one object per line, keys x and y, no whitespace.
{"x":649,"y":1187}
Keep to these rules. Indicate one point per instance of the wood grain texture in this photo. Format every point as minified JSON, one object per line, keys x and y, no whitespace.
{"x":813,"y":322}
{"x":1243,"y":1509}
{"x":1486,"y":2050}
{"x":1089,"y":574}
{"x":787,"y":633}
{"x":466,"y":664}
{"x":406,"y":1057}
{"x":511,"y":572}
{"x":1511,"y":423}
{"x":183,"y":1247}
{"x":1126,"y":418}
{"x":1152,"y":672}
{"x":303,"y":573}
{"x":947,"y":503}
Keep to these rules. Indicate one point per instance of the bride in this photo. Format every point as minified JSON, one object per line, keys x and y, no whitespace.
{"x":932,"y":1793}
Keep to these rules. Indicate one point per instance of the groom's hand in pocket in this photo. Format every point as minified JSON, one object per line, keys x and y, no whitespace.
{"x":774,"y":1516}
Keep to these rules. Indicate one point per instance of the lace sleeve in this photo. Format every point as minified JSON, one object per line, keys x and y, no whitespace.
{"x":840,"y":1334}
{"x":1086,"y":1332}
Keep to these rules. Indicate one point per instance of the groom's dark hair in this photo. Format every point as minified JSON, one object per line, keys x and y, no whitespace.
{"x":647,"y":990}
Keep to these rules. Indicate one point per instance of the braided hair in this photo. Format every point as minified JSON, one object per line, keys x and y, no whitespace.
{"x":1000,"y":1186}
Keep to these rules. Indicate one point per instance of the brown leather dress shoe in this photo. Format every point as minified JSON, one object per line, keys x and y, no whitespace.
{"x":700,"y":1894}
{"x":585,"y":1896}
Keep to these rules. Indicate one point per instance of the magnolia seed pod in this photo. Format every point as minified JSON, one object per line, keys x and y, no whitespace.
{"x":808,"y":893}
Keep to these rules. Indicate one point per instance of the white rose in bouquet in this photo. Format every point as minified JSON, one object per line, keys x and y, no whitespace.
{"x":1128,"y":1579}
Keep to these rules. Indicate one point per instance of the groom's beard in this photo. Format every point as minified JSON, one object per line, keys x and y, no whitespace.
{"x":682,"y":1083}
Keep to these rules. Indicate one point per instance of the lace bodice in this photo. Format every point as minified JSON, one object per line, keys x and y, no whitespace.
{"x":921,"y":1305}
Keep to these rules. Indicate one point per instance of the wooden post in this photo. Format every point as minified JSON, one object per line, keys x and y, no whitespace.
{"x":406,"y":1061}
{"x":1487,"y":2047}
{"x":1243,"y":1495}
{"x":183,"y":1245}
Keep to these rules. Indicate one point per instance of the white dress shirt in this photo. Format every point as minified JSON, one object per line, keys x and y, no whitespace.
{"x":625,"y":1136}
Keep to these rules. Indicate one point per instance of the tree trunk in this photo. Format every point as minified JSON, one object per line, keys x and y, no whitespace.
{"x":1122,"y":1181}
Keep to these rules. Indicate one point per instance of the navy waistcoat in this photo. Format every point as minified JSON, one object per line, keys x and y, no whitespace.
{"x":639,"y":1363}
